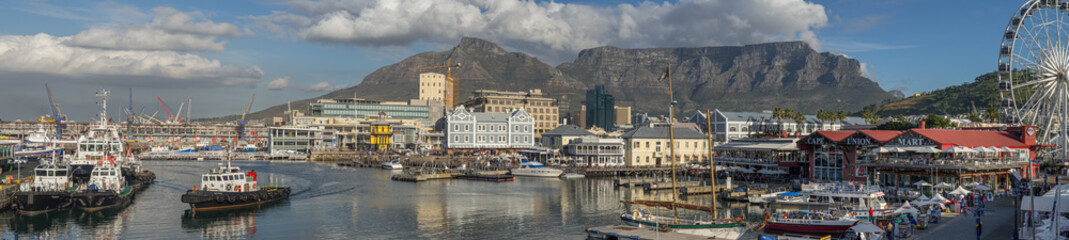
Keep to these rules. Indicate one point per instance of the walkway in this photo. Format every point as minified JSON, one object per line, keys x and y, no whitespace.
{"x":998,"y":224}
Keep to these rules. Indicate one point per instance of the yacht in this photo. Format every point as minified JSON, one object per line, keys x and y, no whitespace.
{"x":814,"y":222}
{"x":854,"y":200}
{"x":392,"y":165}
{"x":535,"y":169}
{"x":36,"y":143}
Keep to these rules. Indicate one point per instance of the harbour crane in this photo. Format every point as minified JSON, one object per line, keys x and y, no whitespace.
{"x":243,"y":121}
{"x":451,"y":91}
{"x":57,"y":115}
{"x":165,"y":109}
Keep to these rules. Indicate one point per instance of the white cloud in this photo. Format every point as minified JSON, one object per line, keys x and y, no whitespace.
{"x":557,"y":30}
{"x":323,"y":86}
{"x":141,"y":38}
{"x":46,"y":54}
{"x":279,"y":84}
{"x":170,"y":29}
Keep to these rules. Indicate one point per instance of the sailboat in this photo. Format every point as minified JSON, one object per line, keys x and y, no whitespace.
{"x":714,"y":228}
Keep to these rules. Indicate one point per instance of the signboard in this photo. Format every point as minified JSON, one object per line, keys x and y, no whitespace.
{"x":816,"y":140}
{"x":858,"y":139}
{"x":912,"y":139}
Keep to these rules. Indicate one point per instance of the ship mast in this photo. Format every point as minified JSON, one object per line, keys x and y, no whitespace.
{"x":103,"y":94}
{"x":712,"y":161}
{"x":671,"y":139}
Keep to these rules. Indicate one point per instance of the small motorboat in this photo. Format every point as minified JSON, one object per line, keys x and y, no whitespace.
{"x":572,"y":175}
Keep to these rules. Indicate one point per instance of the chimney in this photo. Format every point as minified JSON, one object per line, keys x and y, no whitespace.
{"x":920,"y":125}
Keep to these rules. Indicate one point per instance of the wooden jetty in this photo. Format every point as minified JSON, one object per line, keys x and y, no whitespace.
{"x":621,"y":171}
{"x":635,"y":233}
{"x":698,"y":190}
{"x":668,"y":185}
{"x":408,"y":177}
{"x":629,"y":182}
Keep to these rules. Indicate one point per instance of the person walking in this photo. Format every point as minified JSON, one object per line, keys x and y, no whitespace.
{"x":979,"y":227}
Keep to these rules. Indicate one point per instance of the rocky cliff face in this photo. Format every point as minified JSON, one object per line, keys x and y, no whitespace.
{"x":748,"y":78}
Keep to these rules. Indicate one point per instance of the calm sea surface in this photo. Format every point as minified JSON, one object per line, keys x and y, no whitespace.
{"x":343,"y":203}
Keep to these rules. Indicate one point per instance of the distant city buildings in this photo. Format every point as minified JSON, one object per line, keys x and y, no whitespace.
{"x":427,"y":110}
{"x":465,"y":129}
{"x":563,"y":135}
{"x":541,"y":108}
{"x":432,"y":86}
{"x":594,"y":151}
{"x":730,"y":126}
{"x":299,"y":139}
{"x":600,"y":109}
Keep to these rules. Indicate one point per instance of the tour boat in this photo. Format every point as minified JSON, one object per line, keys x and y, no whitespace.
{"x":48,"y":191}
{"x":832,"y":196}
{"x":392,"y":165}
{"x":535,"y":169}
{"x":229,"y":188}
{"x":808,"y":222}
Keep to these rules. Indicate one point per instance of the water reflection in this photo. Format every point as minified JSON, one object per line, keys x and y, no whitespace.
{"x":222,"y":225}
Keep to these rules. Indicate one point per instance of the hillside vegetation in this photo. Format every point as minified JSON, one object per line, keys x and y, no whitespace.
{"x":982,"y":93}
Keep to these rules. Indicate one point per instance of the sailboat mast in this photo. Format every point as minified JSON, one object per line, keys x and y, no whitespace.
{"x":712,"y":162}
{"x":671,"y":138}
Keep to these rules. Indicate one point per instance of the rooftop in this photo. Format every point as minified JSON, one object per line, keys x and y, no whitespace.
{"x":662,"y":132}
{"x":568,"y":130}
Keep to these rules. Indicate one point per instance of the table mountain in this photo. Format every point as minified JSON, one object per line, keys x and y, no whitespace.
{"x":747,"y":78}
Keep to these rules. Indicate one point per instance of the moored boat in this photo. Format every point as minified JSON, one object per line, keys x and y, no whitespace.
{"x":716,"y":229}
{"x":49,"y":190}
{"x":535,"y":169}
{"x":489,"y":178}
{"x":229,"y":188}
{"x":392,"y":165}
{"x":808,"y":222}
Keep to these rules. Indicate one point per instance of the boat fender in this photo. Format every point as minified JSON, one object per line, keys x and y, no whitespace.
{"x":230,"y":199}
{"x":244,"y":198}
{"x":219,"y":198}
{"x":256,"y":197}
{"x":636,"y":214}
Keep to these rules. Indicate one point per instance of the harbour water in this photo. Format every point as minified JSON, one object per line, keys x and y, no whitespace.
{"x":337,"y":203}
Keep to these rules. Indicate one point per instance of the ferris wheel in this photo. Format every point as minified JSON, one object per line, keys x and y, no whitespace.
{"x":1034,"y":71}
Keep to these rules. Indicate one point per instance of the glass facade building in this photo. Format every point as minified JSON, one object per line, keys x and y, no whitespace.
{"x":369,"y":109}
{"x":600,"y":109}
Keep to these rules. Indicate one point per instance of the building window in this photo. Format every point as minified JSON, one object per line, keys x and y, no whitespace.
{"x":466,"y":128}
{"x":482,"y":139}
{"x":501,"y":138}
{"x":456,"y":138}
{"x":466,"y":139}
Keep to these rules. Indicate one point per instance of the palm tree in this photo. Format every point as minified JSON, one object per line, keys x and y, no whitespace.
{"x":870,"y":117}
{"x":799,"y":118}
{"x":840,"y":116}
{"x":822,"y":116}
{"x":991,"y":114}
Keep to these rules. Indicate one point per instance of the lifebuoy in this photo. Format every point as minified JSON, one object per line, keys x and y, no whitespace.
{"x":636,"y":214}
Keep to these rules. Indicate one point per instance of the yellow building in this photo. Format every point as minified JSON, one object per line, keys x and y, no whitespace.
{"x":541,"y":108}
{"x":381,"y":135}
{"x":648,"y":146}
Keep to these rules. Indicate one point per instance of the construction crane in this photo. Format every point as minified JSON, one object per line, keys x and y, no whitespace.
{"x":57,"y":115}
{"x":178,"y":119}
{"x":165,"y":109}
{"x":243,"y":121}
{"x":451,"y":90}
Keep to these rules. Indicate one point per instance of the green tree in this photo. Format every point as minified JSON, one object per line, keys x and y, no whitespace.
{"x":936,"y":121}
{"x":799,"y":118}
{"x":896,"y":125}
{"x":992,"y":114}
{"x":870,"y":116}
{"x":975,"y":117}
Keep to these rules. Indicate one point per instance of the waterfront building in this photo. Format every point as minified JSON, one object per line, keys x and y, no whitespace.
{"x":623,"y":116}
{"x":432,"y":86}
{"x":600,"y":109}
{"x":356,"y":133}
{"x":773,"y":156}
{"x":299,"y":139}
{"x":648,"y":146}
{"x":153,"y":134}
{"x":729,"y":126}
{"x":594,"y":151}
{"x":468,"y":130}
{"x":541,"y":108}
{"x":381,"y":135}
{"x":900,"y":158}
{"x":563,"y":135}
{"x":427,"y":110}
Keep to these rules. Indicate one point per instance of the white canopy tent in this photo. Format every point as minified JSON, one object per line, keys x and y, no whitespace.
{"x":960,"y":191}
{"x":940,"y":198}
{"x":906,"y":208}
{"x":921,"y":183}
{"x":944,"y":186}
{"x":959,"y":149}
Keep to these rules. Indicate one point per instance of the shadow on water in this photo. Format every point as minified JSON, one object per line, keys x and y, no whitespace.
{"x":238,"y":223}
{"x":45,"y":222}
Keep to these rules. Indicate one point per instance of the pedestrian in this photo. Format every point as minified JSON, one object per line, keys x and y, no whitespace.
{"x":979,"y":227}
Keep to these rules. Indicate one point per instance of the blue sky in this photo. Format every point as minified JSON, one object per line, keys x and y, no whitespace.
{"x":221,"y":52}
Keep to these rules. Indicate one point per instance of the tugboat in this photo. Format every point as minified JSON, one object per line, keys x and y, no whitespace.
{"x":49,"y":191}
{"x":229,"y":188}
{"x":107,"y":177}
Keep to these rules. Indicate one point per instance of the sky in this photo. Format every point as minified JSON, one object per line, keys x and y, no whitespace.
{"x":220,"y":53}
